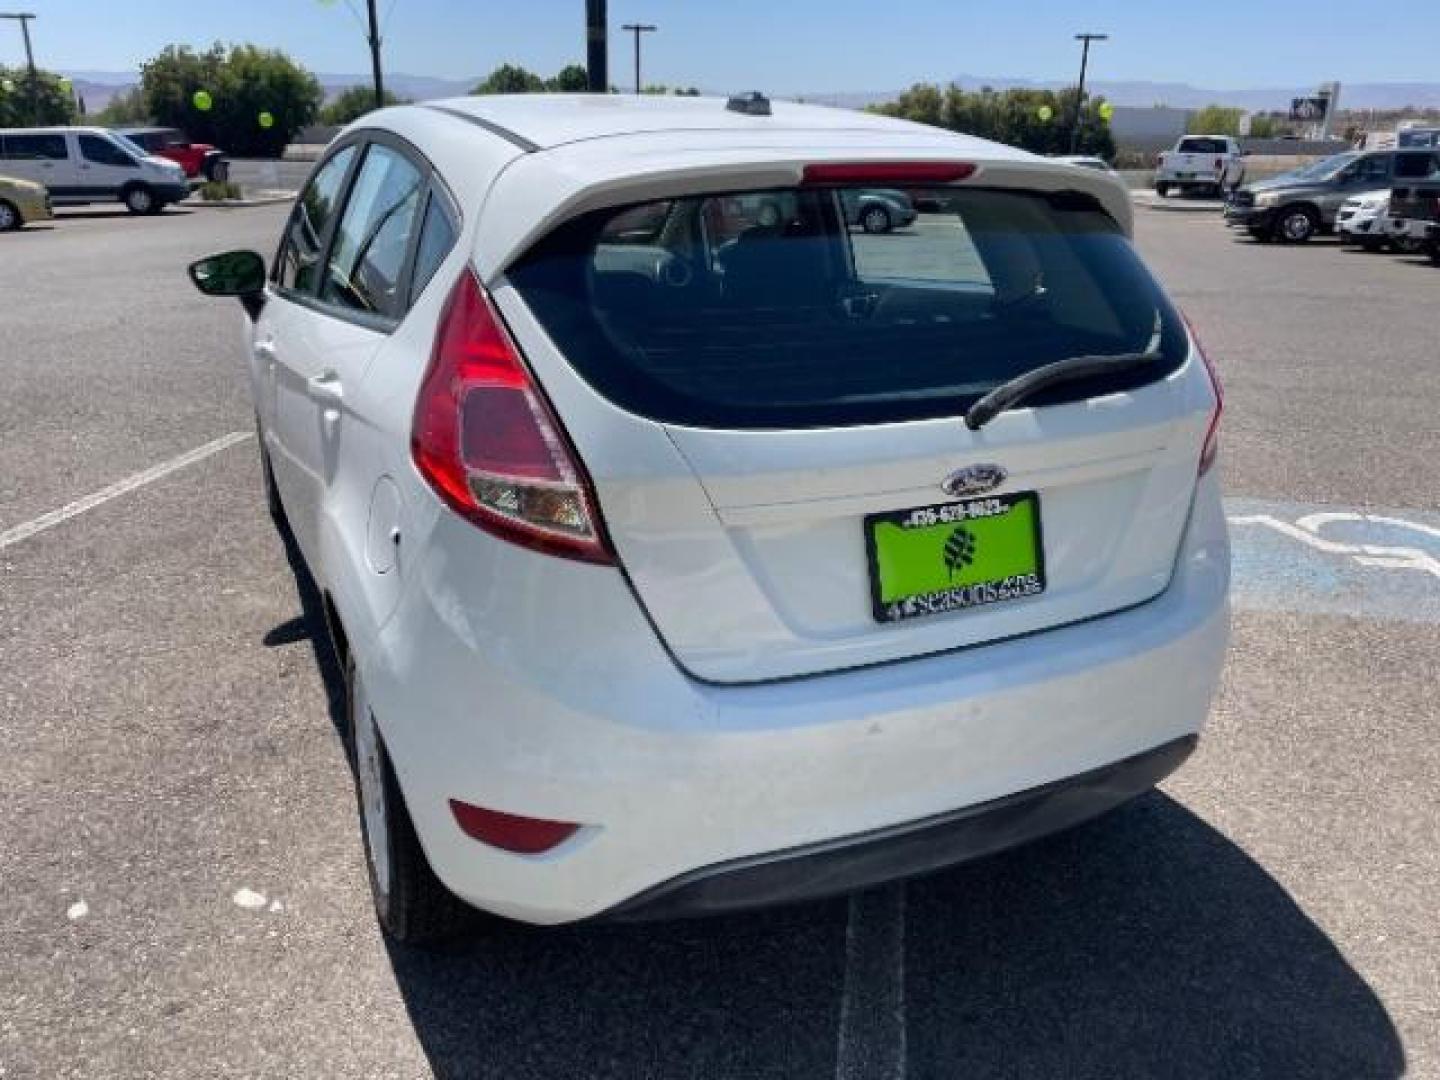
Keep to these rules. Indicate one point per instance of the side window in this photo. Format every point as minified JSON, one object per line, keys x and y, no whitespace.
{"x":104,"y":152}
{"x":1375,"y":168}
{"x":437,"y":237}
{"x":296,"y":268}
{"x":34,"y":148}
{"x":367,"y":257}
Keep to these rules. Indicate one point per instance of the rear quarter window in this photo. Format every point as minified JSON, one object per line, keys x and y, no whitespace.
{"x":773,"y":309}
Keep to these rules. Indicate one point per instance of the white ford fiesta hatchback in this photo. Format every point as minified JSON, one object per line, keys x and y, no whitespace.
{"x":690,"y":546}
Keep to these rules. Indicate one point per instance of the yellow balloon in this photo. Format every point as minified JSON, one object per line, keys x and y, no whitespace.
{"x":7,"y":85}
{"x":202,"y":100}
{"x":266,"y":120}
{"x":1107,"y":111}
{"x":1045,"y":112}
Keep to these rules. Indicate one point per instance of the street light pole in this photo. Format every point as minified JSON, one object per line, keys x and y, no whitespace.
{"x":23,"y":18}
{"x":637,"y":29}
{"x":597,"y":46}
{"x":1080,"y":91}
{"x":374,"y":38}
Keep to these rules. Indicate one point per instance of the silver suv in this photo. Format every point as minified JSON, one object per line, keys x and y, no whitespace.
{"x":1296,"y":205}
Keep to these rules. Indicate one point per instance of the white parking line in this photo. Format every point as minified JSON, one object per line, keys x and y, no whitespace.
{"x":870,"y":1043}
{"x":28,"y":529}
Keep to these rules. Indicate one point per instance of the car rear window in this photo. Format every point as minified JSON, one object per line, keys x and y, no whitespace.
{"x":1203,"y":146}
{"x":794,"y":308}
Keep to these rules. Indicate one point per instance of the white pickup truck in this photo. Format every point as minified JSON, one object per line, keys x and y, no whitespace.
{"x":1200,"y":163}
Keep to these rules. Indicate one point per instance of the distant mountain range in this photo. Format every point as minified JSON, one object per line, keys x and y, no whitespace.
{"x":98,"y":87}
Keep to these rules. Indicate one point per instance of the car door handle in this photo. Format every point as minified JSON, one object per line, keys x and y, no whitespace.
{"x":325,"y":387}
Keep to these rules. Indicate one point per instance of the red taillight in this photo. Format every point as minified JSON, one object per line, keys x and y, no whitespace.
{"x":888,"y":172}
{"x":1210,"y":449}
{"x":510,"y":832}
{"x":1219,"y":164}
{"x":486,"y":440}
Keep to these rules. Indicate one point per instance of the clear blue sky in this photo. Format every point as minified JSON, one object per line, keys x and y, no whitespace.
{"x":784,"y":46}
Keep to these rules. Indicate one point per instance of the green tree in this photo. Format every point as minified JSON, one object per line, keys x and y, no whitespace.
{"x":571,"y":79}
{"x":1036,"y":120}
{"x":244,"y":85}
{"x":52,"y":99}
{"x":354,"y":102}
{"x":1215,"y":120}
{"x":511,"y":79}
{"x":125,"y":109}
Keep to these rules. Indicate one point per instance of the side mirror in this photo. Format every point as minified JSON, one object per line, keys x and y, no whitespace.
{"x":232,"y":273}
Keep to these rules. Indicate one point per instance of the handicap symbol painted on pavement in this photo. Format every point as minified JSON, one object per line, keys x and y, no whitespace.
{"x":1293,"y":557}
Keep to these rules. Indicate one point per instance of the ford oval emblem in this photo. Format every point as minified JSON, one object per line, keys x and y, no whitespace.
{"x":974,"y":480}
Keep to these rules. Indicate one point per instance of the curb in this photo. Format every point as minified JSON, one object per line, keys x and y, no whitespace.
{"x":242,"y":204}
{"x":1176,"y":206}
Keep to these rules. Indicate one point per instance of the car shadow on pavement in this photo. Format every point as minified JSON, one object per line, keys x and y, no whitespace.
{"x":1145,"y":944}
{"x":310,"y":626}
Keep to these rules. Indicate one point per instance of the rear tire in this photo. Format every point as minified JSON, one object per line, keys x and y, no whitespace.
{"x":876,"y":219}
{"x":1163,"y":190}
{"x":139,"y":199}
{"x":1432,"y":248}
{"x":1296,"y":224}
{"x":413,"y":907}
{"x":10,"y":219}
{"x":1371,"y":244}
{"x":1407,"y":245}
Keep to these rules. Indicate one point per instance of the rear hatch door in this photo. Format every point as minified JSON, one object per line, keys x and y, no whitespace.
{"x":770,"y":401}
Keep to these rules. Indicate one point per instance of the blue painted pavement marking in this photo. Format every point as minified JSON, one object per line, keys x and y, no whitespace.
{"x":1377,"y":564}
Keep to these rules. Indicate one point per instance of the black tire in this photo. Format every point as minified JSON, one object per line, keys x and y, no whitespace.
{"x":413,"y":907}
{"x":217,"y":170}
{"x":1432,"y":248}
{"x":1372,"y":244}
{"x":876,"y":219}
{"x":1296,"y":224}
{"x":1407,"y":245}
{"x":10,"y":219}
{"x":139,"y":199}
{"x":1163,"y":190}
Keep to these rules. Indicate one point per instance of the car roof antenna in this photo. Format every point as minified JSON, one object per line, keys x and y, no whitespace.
{"x":751,"y":104}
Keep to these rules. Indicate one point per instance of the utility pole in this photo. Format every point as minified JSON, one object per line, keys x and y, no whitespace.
{"x":1080,"y":92}
{"x":23,"y":18}
{"x":637,"y":29}
{"x":597,"y":51}
{"x":374,"y":39}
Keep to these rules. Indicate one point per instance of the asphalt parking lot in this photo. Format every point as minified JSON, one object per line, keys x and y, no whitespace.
{"x":181,"y":872}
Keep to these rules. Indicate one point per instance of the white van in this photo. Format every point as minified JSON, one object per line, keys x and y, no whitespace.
{"x":86,"y":164}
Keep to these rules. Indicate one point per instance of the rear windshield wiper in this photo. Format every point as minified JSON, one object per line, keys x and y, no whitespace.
{"x":1009,"y":394}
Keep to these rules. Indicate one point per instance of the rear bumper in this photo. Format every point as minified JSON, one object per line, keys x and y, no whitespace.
{"x":487,"y":692}
{"x":856,"y":862}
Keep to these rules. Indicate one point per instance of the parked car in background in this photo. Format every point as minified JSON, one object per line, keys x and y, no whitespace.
{"x":22,"y":202}
{"x":669,"y":582}
{"x":89,"y":164}
{"x":1415,"y":200}
{"x":1198,"y":164}
{"x":1296,"y":205}
{"x":878,"y":211}
{"x":199,"y":160}
{"x":1362,"y":221}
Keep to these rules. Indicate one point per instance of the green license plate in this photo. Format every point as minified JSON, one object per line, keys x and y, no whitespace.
{"x":954,"y":556}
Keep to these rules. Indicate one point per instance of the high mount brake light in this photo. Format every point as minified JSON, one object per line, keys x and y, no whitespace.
{"x":488,"y":443}
{"x":1210,"y":449}
{"x":888,"y":172}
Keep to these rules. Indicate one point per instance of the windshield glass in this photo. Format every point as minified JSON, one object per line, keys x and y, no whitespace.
{"x":1323,"y":169}
{"x":130,"y":144}
{"x":805,"y":307}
